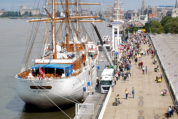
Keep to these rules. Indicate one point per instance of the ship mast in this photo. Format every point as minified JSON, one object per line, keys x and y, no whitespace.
{"x":67,"y":24}
{"x":53,"y":19}
{"x":54,"y":30}
{"x":77,"y":11}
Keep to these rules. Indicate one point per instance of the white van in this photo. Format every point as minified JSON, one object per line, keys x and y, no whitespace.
{"x":106,"y":79}
{"x":139,"y":31}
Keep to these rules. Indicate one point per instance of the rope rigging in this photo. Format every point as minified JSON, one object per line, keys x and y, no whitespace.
{"x":53,"y":102}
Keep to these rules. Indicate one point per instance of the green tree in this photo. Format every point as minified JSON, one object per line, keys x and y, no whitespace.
{"x":91,"y":12}
{"x":26,"y":13}
{"x":16,"y":14}
{"x":147,"y":27}
{"x":58,"y":14}
{"x":165,"y":20}
{"x":167,"y":27}
{"x":174,"y":28}
{"x":132,"y":29}
{"x":156,"y":27}
{"x":30,"y":14}
{"x":19,"y":14}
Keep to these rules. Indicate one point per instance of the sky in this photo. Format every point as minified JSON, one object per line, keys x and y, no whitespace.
{"x":14,"y":5}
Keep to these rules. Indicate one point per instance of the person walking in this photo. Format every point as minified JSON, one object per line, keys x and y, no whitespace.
{"x":133,"y":92}
{"x":123,"y":75}
{"x":116,"y":75}
{"x":146,"y":69}
{"x":114,"y":80}
{"x":119,"y":74}
{"x":113,"y":84}
{"x":129,"y":75}
{"x":136,"y":60}
{"x":97,"y":80}
{"x":126,"y":93}
{"x":143,"y":69}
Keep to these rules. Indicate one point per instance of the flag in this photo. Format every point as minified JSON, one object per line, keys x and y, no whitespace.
{"x":41,"y":72}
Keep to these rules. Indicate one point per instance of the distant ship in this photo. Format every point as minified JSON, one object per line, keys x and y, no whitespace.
{"x":67,"y":70}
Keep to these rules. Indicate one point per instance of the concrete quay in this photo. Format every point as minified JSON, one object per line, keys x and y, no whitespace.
{"x":148,"y":102}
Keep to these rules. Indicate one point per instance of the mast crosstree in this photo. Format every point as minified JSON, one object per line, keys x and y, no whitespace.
{"x":67,"y":19}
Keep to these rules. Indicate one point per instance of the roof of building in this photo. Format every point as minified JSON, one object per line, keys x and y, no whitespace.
{"x":166,"y":47}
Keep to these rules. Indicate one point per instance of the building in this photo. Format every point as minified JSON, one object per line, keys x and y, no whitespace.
{"x":175,"y":11}
{"x":23,"y":9}
{"x":135,"y":16}
{"x":143,"y":8}
{"x":128,"y":14}
{"x":2,"y":11}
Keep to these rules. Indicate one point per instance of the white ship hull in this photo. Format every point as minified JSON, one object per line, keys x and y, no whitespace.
{"x":62,"y":91}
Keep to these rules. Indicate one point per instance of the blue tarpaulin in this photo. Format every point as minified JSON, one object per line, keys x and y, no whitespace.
{"x":66,"y":67}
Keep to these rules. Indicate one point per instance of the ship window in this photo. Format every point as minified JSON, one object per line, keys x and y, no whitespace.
{"x":49,"y":72}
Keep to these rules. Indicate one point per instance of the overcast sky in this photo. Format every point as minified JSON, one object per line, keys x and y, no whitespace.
{"x":14,"y":5}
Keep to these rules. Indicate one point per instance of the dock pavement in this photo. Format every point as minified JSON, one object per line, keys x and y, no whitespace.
{"x":148,"y":102}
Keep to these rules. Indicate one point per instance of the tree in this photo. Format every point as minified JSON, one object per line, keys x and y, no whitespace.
{"x":26,"y":13}
{"x":19,"y":14}
{"x":91,"y":12}
{"x":147,"y":27}
{"x":16,"y":14}
{"x":132,"y":29}
{"x":167,"y":27}
{"x":58,"y":14}
{"x":165,"y":20}
{"x":30,"y":14}
{"x":156,"y":27}
{"x":174,"y":28}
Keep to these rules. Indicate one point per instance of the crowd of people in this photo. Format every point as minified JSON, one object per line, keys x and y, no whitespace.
{"x":132,"y":51}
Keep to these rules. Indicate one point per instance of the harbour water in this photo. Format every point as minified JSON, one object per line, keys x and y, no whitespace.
{"x":14,"y":34}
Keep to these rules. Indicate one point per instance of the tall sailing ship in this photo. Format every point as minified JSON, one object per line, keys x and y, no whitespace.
{"x":66,"y":71}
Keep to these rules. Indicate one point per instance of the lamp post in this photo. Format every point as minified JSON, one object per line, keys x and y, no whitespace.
{"x":175,"y":88}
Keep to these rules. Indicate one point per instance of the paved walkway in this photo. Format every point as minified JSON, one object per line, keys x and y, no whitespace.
{"x":148,"y":103}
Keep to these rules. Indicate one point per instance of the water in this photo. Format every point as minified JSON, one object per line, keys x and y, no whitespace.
{"x":13,"y":39}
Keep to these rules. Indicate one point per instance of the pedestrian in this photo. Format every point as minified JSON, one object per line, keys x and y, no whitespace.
{"x":113,"y":86}
{"x":146,"y":69}
{"x":123,"y":75}
{"x":129,"y":75}
{"x":114,"y":80}
{"x":126,"y":93}
{"x":133,"y":92}
{"x":119,"y":75}
{"x":143,"y":69}
{"x":97,"y":80}
{"x":139,"y":56}
{"x":141,"y":64}
{"x":116,"y":75}
{"x":136,"y":60}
